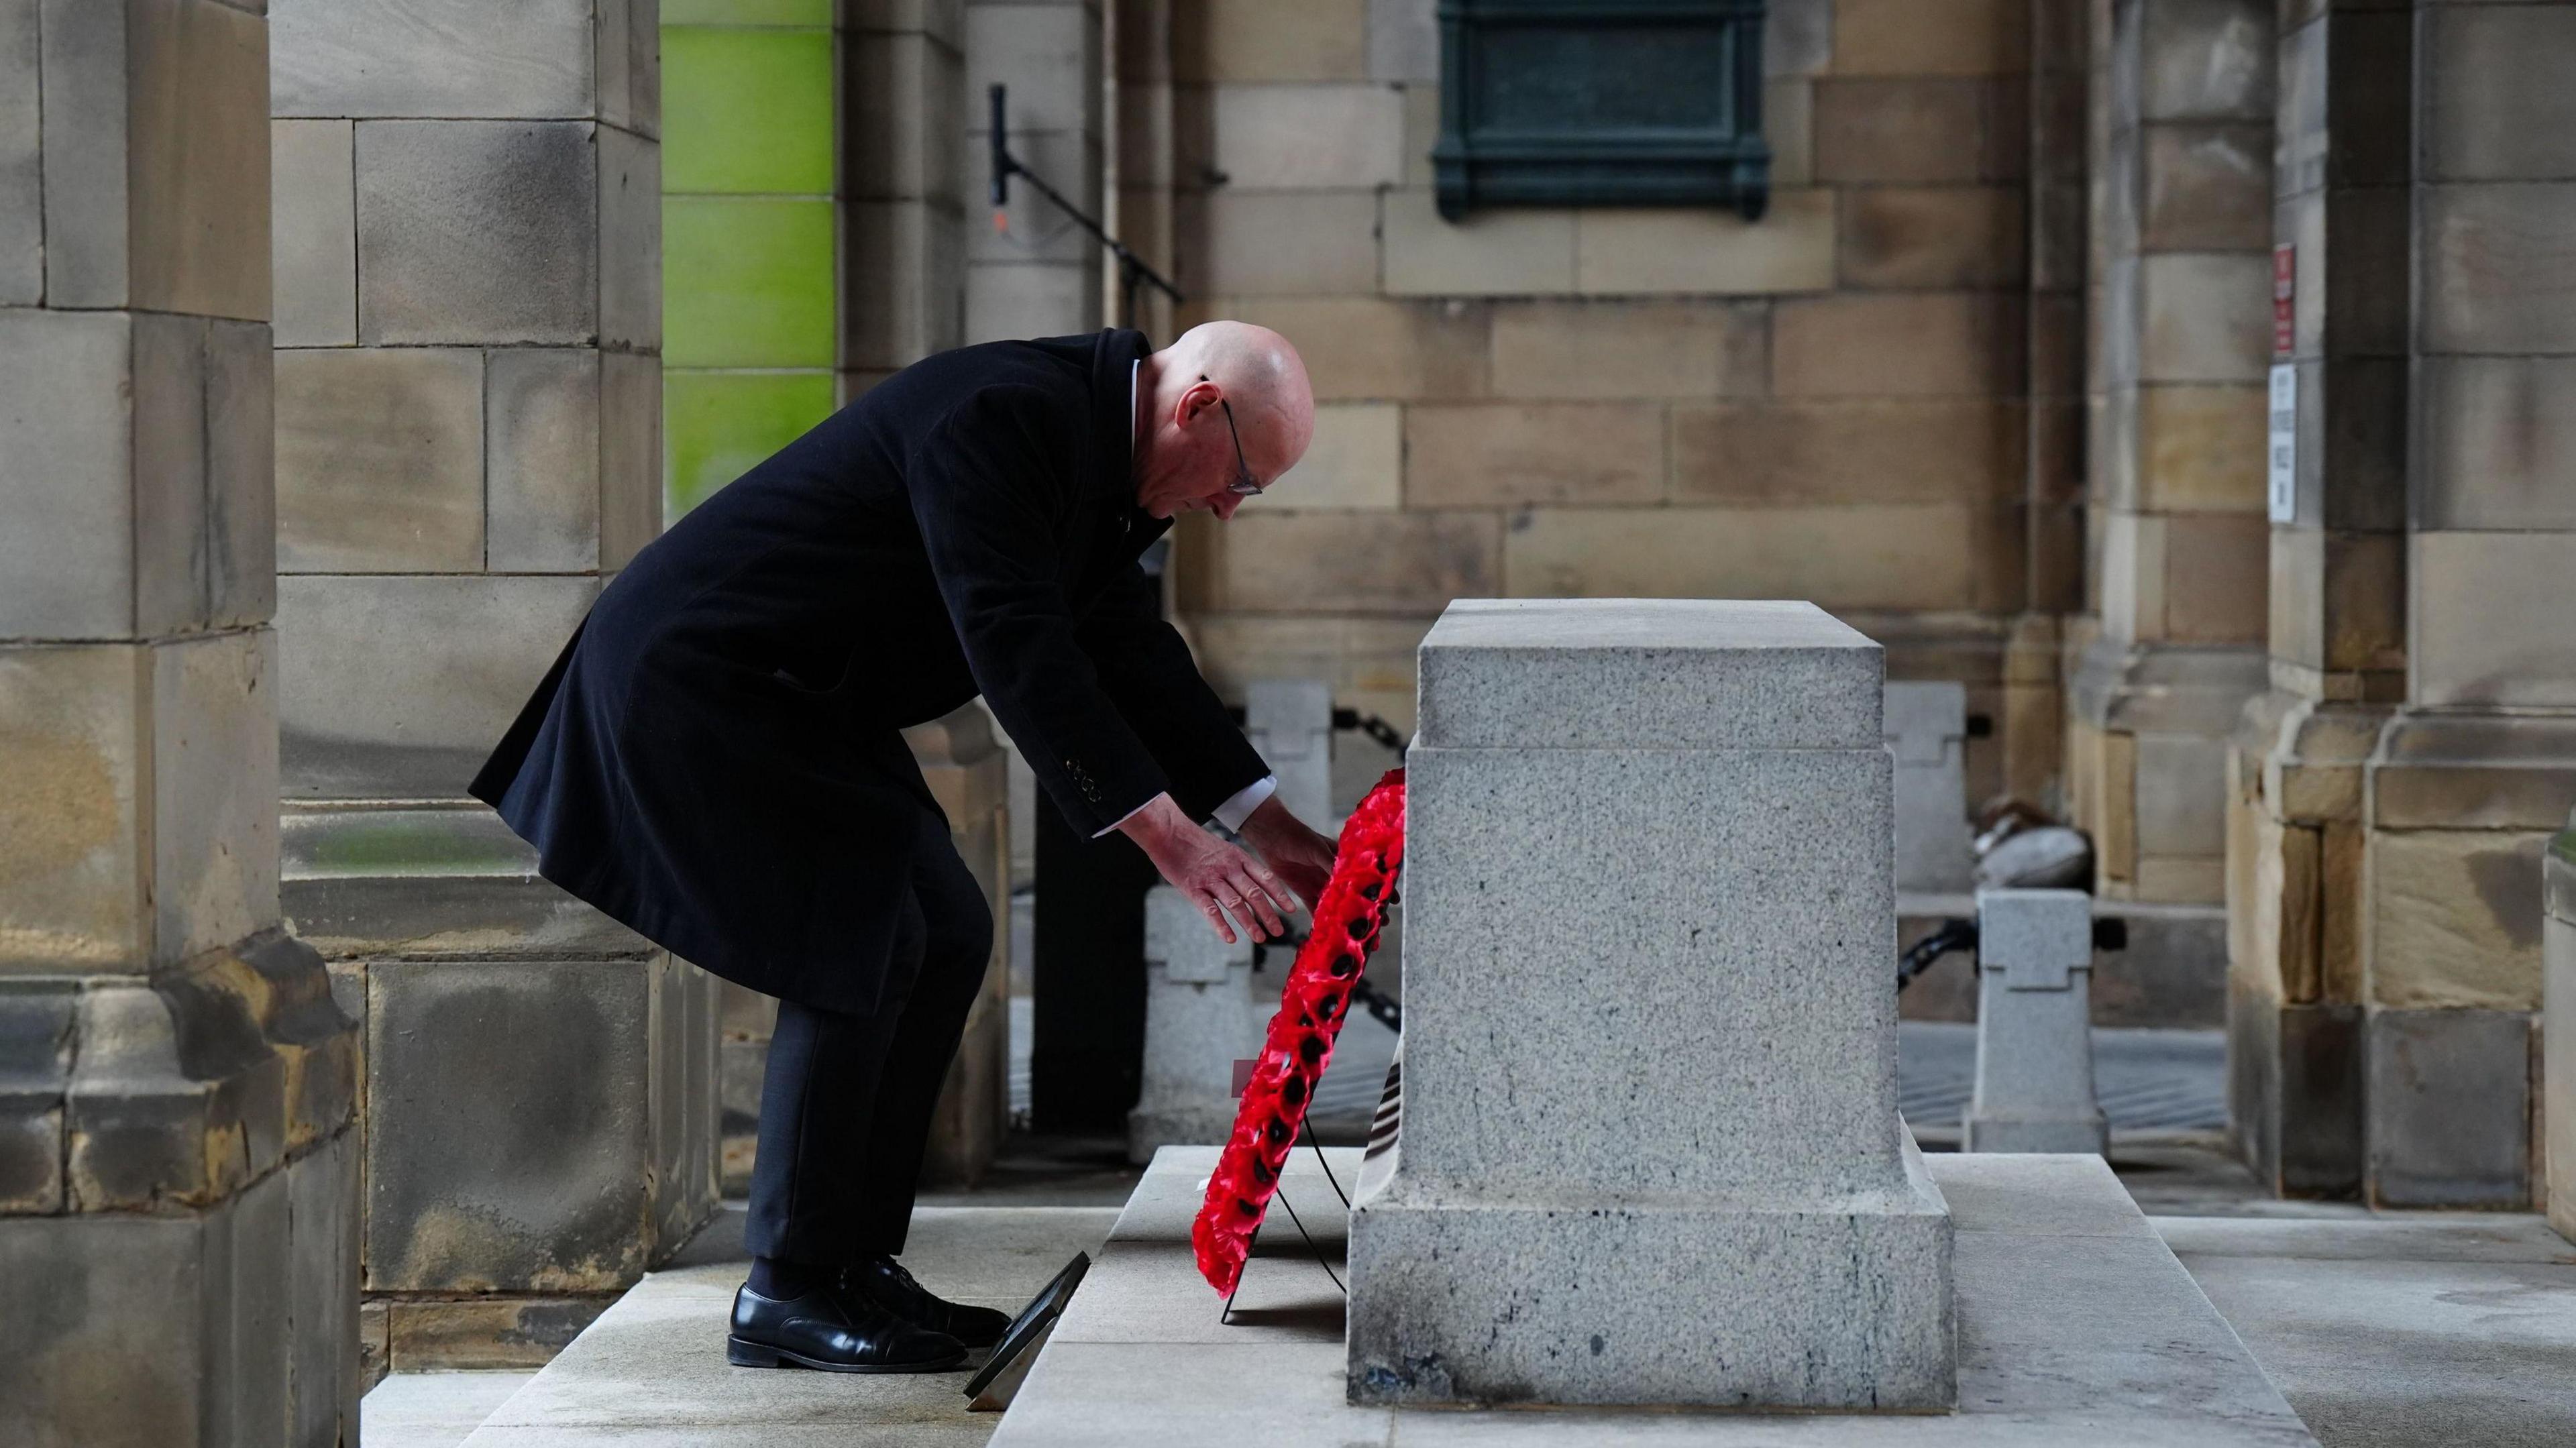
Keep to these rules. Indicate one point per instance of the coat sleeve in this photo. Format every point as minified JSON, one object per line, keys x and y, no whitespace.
{"x":1149,"y":674}
{"x":987,"y":486}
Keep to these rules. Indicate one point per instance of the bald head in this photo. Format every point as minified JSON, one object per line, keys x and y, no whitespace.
{"x":1185,"y":456}
{"x":1258,"y":369}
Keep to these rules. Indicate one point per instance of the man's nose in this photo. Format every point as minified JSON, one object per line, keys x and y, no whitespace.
{"x":1224,"y":504}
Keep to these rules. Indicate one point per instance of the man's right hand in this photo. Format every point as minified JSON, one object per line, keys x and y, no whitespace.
{"x":1218,"y":878}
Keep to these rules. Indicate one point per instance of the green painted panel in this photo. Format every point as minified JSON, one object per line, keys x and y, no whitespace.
{"x":746,"y":12}
{"x":746,"y":111}
{"x":746,"y":283}
{"x":716,"y":426}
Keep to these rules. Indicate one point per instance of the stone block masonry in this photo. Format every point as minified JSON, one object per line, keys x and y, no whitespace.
{"x":1651,"y":1152}
{"x":178,"y":1161}
{"x":467,"y":241}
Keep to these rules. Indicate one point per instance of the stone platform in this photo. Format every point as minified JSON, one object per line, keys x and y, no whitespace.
{"x":2076,"y":1325}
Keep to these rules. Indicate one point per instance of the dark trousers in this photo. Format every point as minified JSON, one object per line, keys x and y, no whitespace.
{"x":845,"y":1106}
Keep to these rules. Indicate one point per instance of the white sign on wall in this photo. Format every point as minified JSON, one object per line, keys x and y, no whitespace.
{"x":2284,"y":450}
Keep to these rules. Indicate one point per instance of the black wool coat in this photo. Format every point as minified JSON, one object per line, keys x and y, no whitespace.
{"x":714,"y":759}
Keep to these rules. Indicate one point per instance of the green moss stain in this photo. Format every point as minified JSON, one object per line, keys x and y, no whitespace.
{"x":746,"y":283}
{"x":749,"y":290}
{"x":746,"y":112}
{"x":717,"y":425}
{"x":746,"y":12}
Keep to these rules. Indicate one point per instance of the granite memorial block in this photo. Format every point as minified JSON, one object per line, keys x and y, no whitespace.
{"x":2034,"y":1088}
{"x":1650,"y":1150}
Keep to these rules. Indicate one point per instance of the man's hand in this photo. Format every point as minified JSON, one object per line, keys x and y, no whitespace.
{"x":1218,"y":878}
{"x":1302,"y":857}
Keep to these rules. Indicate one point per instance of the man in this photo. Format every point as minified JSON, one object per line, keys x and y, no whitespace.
{"x":714,"y":760}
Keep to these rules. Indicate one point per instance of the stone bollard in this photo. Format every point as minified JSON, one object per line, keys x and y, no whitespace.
{"x":2558,"y":1027}
{"x":1650,"y":1151}
{"x":1291,"y":722}
{"x":2034,"y":1087}
{"x":1927,"y":729}
{"x":1202,"y":1014}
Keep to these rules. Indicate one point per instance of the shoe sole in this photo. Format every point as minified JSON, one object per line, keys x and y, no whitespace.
{"x":761,"y":1355}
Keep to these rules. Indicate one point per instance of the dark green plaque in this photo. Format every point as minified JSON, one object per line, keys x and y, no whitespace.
{"x":1601,"y":103}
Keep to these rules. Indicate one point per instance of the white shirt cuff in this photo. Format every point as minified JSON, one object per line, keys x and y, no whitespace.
{"x":1239,"y":808}
{"x":1112,"y":826}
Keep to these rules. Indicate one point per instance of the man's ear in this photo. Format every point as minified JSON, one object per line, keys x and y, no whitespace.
{"x":1199,"y":397}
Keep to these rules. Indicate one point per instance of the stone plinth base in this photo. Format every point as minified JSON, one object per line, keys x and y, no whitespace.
{"x":1834,"y":1304}
{"x":2076,"y":1326}
{"x":1650,"y":1152}
{"x":179,"y":1206}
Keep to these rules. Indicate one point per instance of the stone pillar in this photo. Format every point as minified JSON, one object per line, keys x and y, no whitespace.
{"x":1926,"y":727}
{"x":2558,"y":989}
{"x":178,"y":1174}
{"x":2399,"y":786}
{"x":2477,"y":769}
{"x":2034,"y":1088}
{"x":904,"y":187}
{"x":2337,"y":605}
{"x":1143,"y":154}
{"x":1036,"y":275}
{"x":1291,"y":722}
{"x":2181,"y":242}
{"x":1651,"y":1153}
{"x":1204,"y":1011}
{"x":468,"y":442}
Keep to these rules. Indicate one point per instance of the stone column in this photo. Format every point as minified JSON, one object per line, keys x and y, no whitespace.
{"x":904,"y":186}
{"x":2399,"y":787}
{"x":1651,"y":1153}
{"x":1204,"y":1011}
{"x":468,"y":232}
{"x":1926,"y":728}
{"x":1291,"y":722}
{"x":2558,"y":989}
{"x":2477,"y":769}
{"x":1038,"y":275}
{"x":2182,"y":111}
{"x":2337,"y":608}
{"x":178,"y":1174}
{"x":2034,"y":1088}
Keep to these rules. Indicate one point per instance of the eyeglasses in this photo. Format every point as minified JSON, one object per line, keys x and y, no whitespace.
{"x":1243,"y":486}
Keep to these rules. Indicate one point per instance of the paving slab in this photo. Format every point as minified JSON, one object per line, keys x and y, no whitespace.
{"x":651,"y":1371}
{"x":2402,"y":1330}
{"x":2076,"y":1325}
{"x":432,"y":1410}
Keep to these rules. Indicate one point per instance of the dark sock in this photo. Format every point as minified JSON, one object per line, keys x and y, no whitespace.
{"x":780,"y":1280}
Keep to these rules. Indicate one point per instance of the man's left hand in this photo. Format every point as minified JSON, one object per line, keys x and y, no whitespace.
{"x":1301,"y":857}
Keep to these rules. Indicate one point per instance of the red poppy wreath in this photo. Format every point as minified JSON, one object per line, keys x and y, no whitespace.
{"x":1300,"y":1043}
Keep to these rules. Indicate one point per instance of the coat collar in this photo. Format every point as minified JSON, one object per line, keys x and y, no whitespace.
{"x":1113,"y":403}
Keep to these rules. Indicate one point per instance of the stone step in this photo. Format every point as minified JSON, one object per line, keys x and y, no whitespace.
{"x":651,"y":1371}
{"x":2076,"y":1325}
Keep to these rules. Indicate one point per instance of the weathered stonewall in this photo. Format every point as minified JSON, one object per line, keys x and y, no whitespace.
{"x":1650,"y":1151}
{"x":2034,"y":1088}
{"x":1203,"y":1013}
{"x":1927,"y":729}
{"x":2558,"y":1022}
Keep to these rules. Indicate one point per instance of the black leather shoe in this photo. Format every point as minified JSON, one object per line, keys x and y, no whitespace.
{"x":883,"y":1281}
{"x":836,"y":1331}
